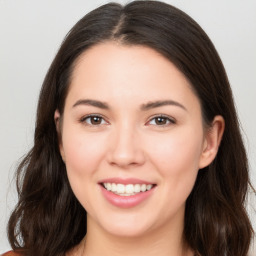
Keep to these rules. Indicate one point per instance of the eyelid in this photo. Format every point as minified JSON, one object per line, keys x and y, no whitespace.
{"x":83,"y":119}
{"x":169,"y":118}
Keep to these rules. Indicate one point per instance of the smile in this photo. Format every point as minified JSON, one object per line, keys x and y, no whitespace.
{"x":126,"y":193}
{"x":127,"y":190}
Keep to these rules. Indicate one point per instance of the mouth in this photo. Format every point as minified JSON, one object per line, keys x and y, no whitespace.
{"x":127,"y":189}
{"x":126,"y":193}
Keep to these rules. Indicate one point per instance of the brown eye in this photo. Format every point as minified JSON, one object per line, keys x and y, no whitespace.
{"x":94,"y":120}
{"x":161,"y":120}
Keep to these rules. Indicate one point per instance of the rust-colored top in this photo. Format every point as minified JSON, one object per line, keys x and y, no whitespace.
{"x":10,"y":253}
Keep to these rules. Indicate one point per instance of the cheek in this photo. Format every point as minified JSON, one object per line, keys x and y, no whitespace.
{"x":177,"y":158}
{"x":83,"y":155}
{"x":82,"y":152}
{"x":177,"y":154}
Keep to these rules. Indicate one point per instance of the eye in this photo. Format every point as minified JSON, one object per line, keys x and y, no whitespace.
{"x":93,"y":120}
{"x":161,"y":121}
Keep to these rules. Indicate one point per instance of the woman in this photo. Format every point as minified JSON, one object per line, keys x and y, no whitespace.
{"x":137,"y":147}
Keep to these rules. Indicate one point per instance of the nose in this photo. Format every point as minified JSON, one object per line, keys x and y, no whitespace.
{"x":125,"y":148}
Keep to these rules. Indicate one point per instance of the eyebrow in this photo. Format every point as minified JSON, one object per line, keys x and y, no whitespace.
{"x":160,"y":103}
{"x":95,"y":103}
{"x":144,"y":107}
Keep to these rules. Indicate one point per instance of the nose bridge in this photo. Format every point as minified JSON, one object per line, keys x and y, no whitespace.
{"x":125,"y":145}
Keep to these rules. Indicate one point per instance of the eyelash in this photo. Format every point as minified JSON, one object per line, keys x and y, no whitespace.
{"x":165,"y":118}
{"x":83,"y":119}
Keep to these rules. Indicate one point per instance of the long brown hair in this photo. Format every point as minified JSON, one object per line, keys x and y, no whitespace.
{"x":48,"y":219}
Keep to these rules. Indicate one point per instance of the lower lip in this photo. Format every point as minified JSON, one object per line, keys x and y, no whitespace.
{"x":126,"y":201}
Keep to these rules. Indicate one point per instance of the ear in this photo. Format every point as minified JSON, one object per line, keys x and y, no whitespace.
{"x":212,"y":141}
{"x":58,"y":129}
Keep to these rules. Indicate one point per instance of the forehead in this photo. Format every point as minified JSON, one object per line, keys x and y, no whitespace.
{"x":111,"y":70}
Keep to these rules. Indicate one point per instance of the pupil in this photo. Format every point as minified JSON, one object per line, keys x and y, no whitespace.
{"x":96,"y":120}
{"x":160,"y":120}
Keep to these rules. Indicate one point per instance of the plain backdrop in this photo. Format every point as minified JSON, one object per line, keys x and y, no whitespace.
{"x":30,"y":35}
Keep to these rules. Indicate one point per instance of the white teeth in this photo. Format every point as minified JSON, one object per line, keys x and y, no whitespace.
{"x":113,"y":187}
{"x":137,"y":188}
{"x":120,"y":188}
{"x":143,"y":188}
{"x":127,"y":190}
{"x":108,"y":186}
{"x":149,"y":186}
{"x":126,"y":194}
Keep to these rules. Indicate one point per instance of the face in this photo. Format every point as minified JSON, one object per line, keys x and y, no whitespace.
{"x":132,"y":139}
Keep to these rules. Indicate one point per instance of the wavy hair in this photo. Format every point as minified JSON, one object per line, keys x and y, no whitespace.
{"x":48,"y":220}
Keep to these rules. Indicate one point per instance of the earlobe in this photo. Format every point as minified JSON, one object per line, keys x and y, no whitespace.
{"x":58,"y":129}
{"x":212,"y":141}
{"x":57,"y":120}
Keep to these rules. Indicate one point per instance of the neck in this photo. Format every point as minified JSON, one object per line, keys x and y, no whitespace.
{"x":157,"y":242}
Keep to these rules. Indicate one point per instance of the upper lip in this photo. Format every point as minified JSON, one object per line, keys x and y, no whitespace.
{"x":125,"y":181}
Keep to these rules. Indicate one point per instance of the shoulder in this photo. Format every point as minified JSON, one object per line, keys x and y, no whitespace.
{"x":10,"y":253}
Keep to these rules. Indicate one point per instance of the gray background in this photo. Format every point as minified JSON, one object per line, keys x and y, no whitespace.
{"x":30,"y":34}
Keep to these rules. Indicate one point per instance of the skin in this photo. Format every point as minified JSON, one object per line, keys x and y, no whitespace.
{"x":128,"y":142}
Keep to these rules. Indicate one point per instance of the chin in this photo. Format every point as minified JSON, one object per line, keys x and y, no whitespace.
{"x":127,"y":232}
{"x":126,"y":227}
